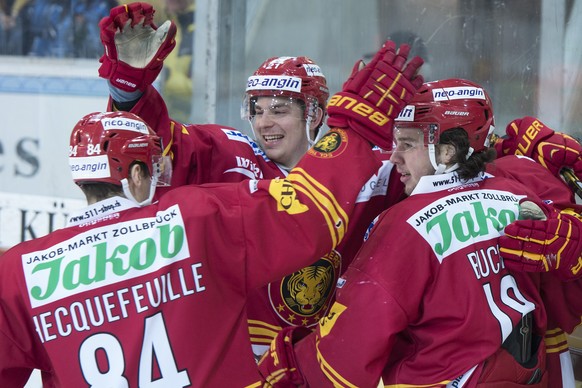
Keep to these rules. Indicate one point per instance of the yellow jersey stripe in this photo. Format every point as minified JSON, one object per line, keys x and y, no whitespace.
{"x":332,"y":375}
{"x":323,"y":189}
{"x":335,"y":216}
{"x":254,"y":322}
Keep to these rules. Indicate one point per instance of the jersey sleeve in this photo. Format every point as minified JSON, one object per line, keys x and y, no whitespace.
{"x":372,"y":300}
{"x":562,"y":302}
{"x":309,"y":211}
{"x":532,"y":175}
{"x":351,"y":346}
{"x":11,"y":360}
{"x":21,"y":353}
{"x":152,"y":108}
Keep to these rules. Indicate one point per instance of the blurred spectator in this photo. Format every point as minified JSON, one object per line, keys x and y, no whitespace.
{"x":48,"y":26}
{"x":52,"y":28}
{"x":86,"y":17}
{"x":177,"y":85}
{"x":11,"y":31}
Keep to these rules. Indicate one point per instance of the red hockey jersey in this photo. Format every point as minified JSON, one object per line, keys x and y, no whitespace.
{"x":214,"y":153}
{"x":156,"y":296}
{"x":553,"y":190}
{"x":428,"y":292}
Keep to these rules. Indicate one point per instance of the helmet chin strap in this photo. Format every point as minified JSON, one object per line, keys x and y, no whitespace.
{"x":313,"y":111}
{"x":253,"y":132}
{"x":310,"y":142}
{"x":440,"y":168}
{"x":129,"y":195}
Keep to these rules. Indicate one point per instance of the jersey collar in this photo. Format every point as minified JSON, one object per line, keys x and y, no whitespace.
{"x":100,"y":210}
{"x":447,"y":181}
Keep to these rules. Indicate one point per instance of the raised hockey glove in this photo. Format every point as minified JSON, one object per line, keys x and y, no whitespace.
{"x":135,"y":48}
{"x":278,"y":366}
{"x":375,"y":93}
{"x":543,"y":245}
{"x":530,"y":137}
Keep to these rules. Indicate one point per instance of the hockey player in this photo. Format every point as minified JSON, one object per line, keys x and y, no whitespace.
{"x":227,"y":155}
{"x":552,"y":243}
{"x":555,"y":243}
{"x":445,"y":311}
{"x":285,"y":103}
{"x":530,"y":137}
{"x":136,"y":294}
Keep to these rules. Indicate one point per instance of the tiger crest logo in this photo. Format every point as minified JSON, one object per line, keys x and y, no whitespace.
{"x":304,"y":297}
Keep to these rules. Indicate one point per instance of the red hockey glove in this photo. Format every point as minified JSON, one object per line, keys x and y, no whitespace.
{"x":530,"y":137}
{"x":375,"y":93}
{"x":552,"y":244}
{"x":278,"y":366}
{"x":135,"y":48}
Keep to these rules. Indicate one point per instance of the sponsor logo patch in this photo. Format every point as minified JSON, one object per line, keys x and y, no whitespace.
{"x":125,"y":124}
{"x":239,"y":136}
{"x":406,"y":114}
{"x":313,"y":70}
{"x":448,"y":228}
{"x":89,"y":167}
{"x":103,"y":256}
{"x":377,"y":184}
{"x":458,"y":93}
{"x":274,"y":82}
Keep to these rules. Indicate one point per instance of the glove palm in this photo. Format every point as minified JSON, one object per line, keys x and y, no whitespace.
{"x":135,"y":47}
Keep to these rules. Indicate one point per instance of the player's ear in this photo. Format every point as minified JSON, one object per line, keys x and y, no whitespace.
{"x":138,"y":177}
{"x":447,"y":154}
{"x":316,"y":122}
{"x":317,"y":118}
{"x":136,"y":173}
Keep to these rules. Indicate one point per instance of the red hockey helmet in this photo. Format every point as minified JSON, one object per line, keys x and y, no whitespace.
{"x":445,"y":104}
{"x":295,"y":77}
{"x":104,"y":145}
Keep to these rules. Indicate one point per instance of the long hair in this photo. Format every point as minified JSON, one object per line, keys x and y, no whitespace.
{"x":476,"y":163}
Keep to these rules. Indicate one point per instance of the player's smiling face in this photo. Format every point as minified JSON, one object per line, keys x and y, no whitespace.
{"x":279,"y":125}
